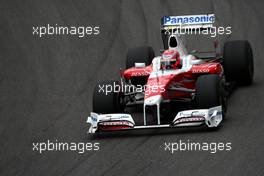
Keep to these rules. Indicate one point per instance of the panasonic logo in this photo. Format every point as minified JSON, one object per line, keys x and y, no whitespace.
{"x":190,"y":19}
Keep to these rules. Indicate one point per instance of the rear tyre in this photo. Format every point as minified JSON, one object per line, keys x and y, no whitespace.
{"x":139,"y":55}
{"x":238,"y":62}
{"x":210,"y":92}
{"x":107,"y":97}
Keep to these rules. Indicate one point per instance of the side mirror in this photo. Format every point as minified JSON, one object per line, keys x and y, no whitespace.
{"x":140,"y":65}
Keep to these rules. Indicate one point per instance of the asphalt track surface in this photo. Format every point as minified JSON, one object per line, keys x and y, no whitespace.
{"x":46,"y":86}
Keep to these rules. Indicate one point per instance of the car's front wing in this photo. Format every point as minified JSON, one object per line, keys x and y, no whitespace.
{"x":109,"y":122}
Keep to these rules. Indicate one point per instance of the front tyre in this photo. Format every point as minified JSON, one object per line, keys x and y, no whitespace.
{"x":210,"y":92}
{"x":108,"y":97}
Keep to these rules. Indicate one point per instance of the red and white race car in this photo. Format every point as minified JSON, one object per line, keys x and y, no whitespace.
{"x":195,"y":86}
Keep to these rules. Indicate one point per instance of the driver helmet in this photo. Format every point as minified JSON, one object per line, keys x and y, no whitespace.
{"x":170,"y":59}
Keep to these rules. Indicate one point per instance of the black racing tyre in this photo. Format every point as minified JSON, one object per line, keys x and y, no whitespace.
{"x":238,"y":62}
{"x":139,"y":55}
{"x":210,"y":92}
{"x":107,"y":97}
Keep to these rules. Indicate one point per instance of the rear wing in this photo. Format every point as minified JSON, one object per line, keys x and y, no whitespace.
{"x":187,"y":22}
{"x":190,"y":24}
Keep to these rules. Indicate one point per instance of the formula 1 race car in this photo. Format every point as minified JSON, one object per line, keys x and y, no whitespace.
{"x":195,"y":85}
